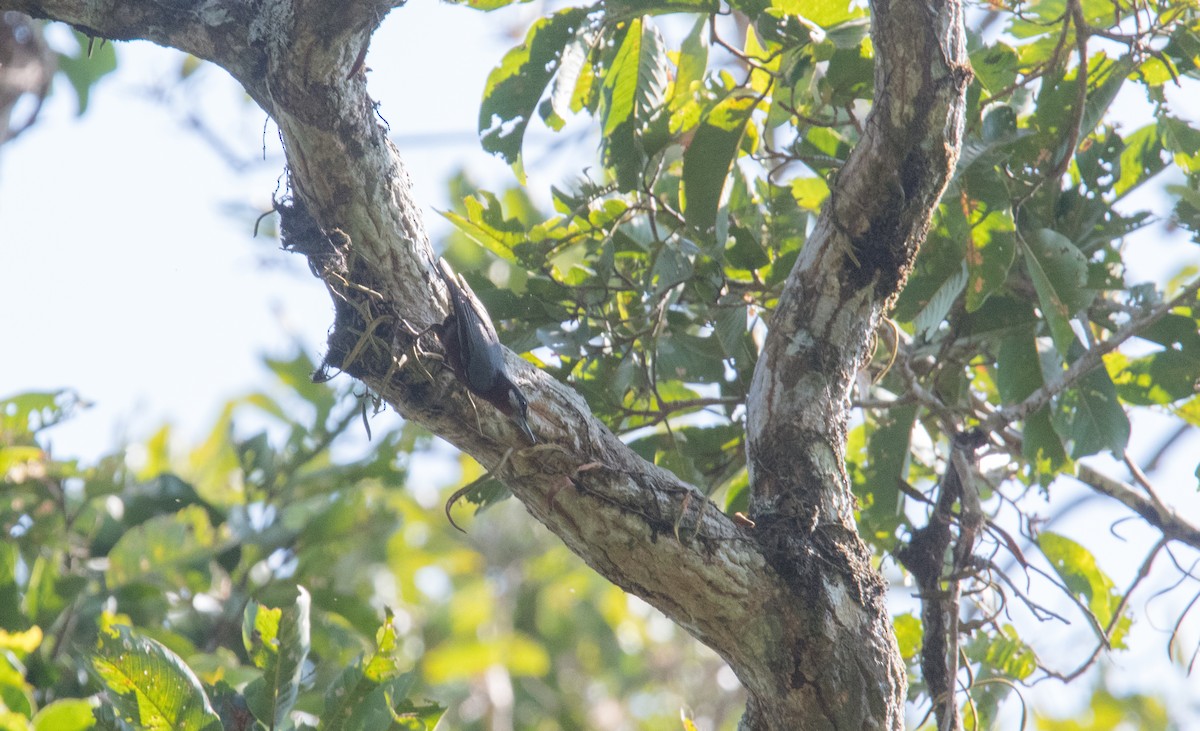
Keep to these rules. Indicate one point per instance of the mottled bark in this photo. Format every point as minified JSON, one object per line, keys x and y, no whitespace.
{"x":794,"y":605}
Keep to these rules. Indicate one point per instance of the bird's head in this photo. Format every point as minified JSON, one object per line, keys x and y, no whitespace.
{"x":518,"y":408}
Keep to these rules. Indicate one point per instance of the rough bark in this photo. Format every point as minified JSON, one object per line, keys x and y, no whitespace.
{"x":794,"y":605}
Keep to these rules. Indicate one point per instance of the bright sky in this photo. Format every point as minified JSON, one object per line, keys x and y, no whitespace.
{"x":127,"y":277}
{"x":130,"y":271}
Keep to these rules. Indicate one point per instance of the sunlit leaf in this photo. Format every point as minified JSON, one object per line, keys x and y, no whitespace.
{"x":709,"y":159}
{"x":65,"y":714}
{"x":149,"y":685}
{"x":515,"y":87}
{"x":1077,"y":567}
{"x":278,"y":641}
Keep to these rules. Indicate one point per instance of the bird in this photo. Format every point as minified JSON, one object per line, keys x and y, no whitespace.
{"x":475,"y":354}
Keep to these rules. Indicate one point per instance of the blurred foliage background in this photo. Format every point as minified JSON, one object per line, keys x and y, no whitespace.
{"x":503,"y":626}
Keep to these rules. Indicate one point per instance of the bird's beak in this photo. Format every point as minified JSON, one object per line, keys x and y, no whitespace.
{"x":521,"y":422}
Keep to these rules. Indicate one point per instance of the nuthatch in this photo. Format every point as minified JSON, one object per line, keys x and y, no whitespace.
{"x":475,"y":353}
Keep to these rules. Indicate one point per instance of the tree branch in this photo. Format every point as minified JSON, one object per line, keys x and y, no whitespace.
{"x":1158,"y":515}
{"x":1086,"y":363}
{"x":794,"y":605}
{"x":354,"y":216}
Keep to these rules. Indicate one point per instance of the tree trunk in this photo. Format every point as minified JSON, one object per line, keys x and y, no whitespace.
{"x":794,"y":604}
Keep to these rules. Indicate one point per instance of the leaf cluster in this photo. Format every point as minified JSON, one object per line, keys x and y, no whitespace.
{"x":141,"y":598}
{"x":722,"y":126}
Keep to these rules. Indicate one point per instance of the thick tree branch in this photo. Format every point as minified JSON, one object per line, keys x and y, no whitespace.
{"x":353,"y":215}
{"x":794,"y":605}
{"x":849,"y":272}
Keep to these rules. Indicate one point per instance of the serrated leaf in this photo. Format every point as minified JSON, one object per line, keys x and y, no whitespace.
{"x":632,"y":97}
{"x":566,"y":81}
{"x":1059,"y":273}
{"x":150,"y":686}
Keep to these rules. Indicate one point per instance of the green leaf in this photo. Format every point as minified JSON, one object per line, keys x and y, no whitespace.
{"x":66,"y":714}
{"x":934,"y":313}
{"x":150,"y":686}
{"x":1166,"y":376}
{"x":515,"y":86}
{"x":10,"y":593}
{"x":810,"y":193}
{"x":1000,"y":134}
{"x":489,"y":5}
{"x":990,"y":253}
{"x":1183,"y":140}
{"x":635,"y":86}
{"x":1077,"y":567}
{"x":1010,"y":655}
{"x":632,"y":96}
{"x":886,"y":463}
{"x":485,"y":224}
{"x":84,"y":70}
{"x":1089,"y":415}
{"x":709,"y":159}
{"x":691,"y":63}
{"x":1059,"y":273}
{"x":730,"y":327}
{"x":824,"y":13}
{"x":561,"y":102}
{"x":173,"y":549}
{"x":743,"y":251}
{"x":372,"y":693}
{"x":1104,"y":82}
{"x":1018,"y":376}
{"x":24,"y":414}
{"x":909,"y":635}
{"x":1141,"y":159}
{"x":297,"y":374}
{"x":277,"y":640}
{"x":689,"y":358}
{"x":995,"y":66}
